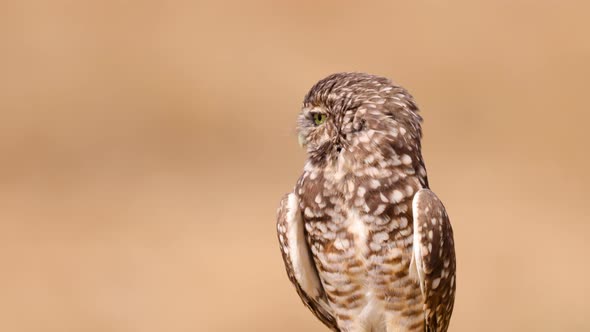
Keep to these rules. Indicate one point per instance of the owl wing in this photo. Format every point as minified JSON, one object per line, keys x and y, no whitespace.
{"x":298,"y":261}
{"x":434,"y":259}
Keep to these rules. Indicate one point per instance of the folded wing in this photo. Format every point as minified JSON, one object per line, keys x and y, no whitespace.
{"x":298,"y":261}
{"x":434,"y":259}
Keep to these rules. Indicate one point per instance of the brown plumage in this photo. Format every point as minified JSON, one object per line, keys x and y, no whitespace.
{"x":365,"y":242}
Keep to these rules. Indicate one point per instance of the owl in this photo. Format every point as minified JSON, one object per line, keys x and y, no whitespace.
{"x":367,"y":245}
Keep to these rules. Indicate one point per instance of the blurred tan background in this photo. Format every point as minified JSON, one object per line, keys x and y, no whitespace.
{"x":144,"y":147}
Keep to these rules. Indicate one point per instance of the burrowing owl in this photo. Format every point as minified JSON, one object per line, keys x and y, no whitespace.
{"x":366,"y":243}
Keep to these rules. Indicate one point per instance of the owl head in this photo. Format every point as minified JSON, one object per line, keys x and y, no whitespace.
{"x":360,"y":116}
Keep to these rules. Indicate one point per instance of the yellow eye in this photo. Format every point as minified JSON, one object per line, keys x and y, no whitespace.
{"x":319,"y":118}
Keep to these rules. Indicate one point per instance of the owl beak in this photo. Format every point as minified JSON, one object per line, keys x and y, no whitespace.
{"x":337,"y":143}
{"x":301,"y":140}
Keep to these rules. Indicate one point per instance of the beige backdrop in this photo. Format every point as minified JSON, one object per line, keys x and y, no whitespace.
{"x":144,"y":147}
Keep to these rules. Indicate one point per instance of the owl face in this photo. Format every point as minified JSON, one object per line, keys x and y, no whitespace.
{"x":353,"y":114}
{"x":320,"y":130}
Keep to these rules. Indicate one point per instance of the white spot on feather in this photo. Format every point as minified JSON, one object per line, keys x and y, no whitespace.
{"x":435,"y":283}
{"x":318,"y":199}
{"x":396,"y":196}
{"x":403,"y":222}
{"x":358,"y":228}
{"x":380,"y":237}
{"x":341,"y":244}
{"x":374,"y":184}
{"x":380,"y":208}
{"x":350,"y":185}
{"x":406,"y":160}
{"x":374,"y":246}
{"x":361,"y":191}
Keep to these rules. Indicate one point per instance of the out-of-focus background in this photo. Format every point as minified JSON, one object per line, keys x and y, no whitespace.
{"x":144,"y":147}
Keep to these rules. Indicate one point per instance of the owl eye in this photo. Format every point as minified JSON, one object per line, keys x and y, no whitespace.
{"x":319,"y":118}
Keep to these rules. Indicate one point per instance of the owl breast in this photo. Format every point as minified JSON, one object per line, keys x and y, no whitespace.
{"x":359,"y":230}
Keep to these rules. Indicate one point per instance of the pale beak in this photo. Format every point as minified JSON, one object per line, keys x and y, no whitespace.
{"x":301,"y":140}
